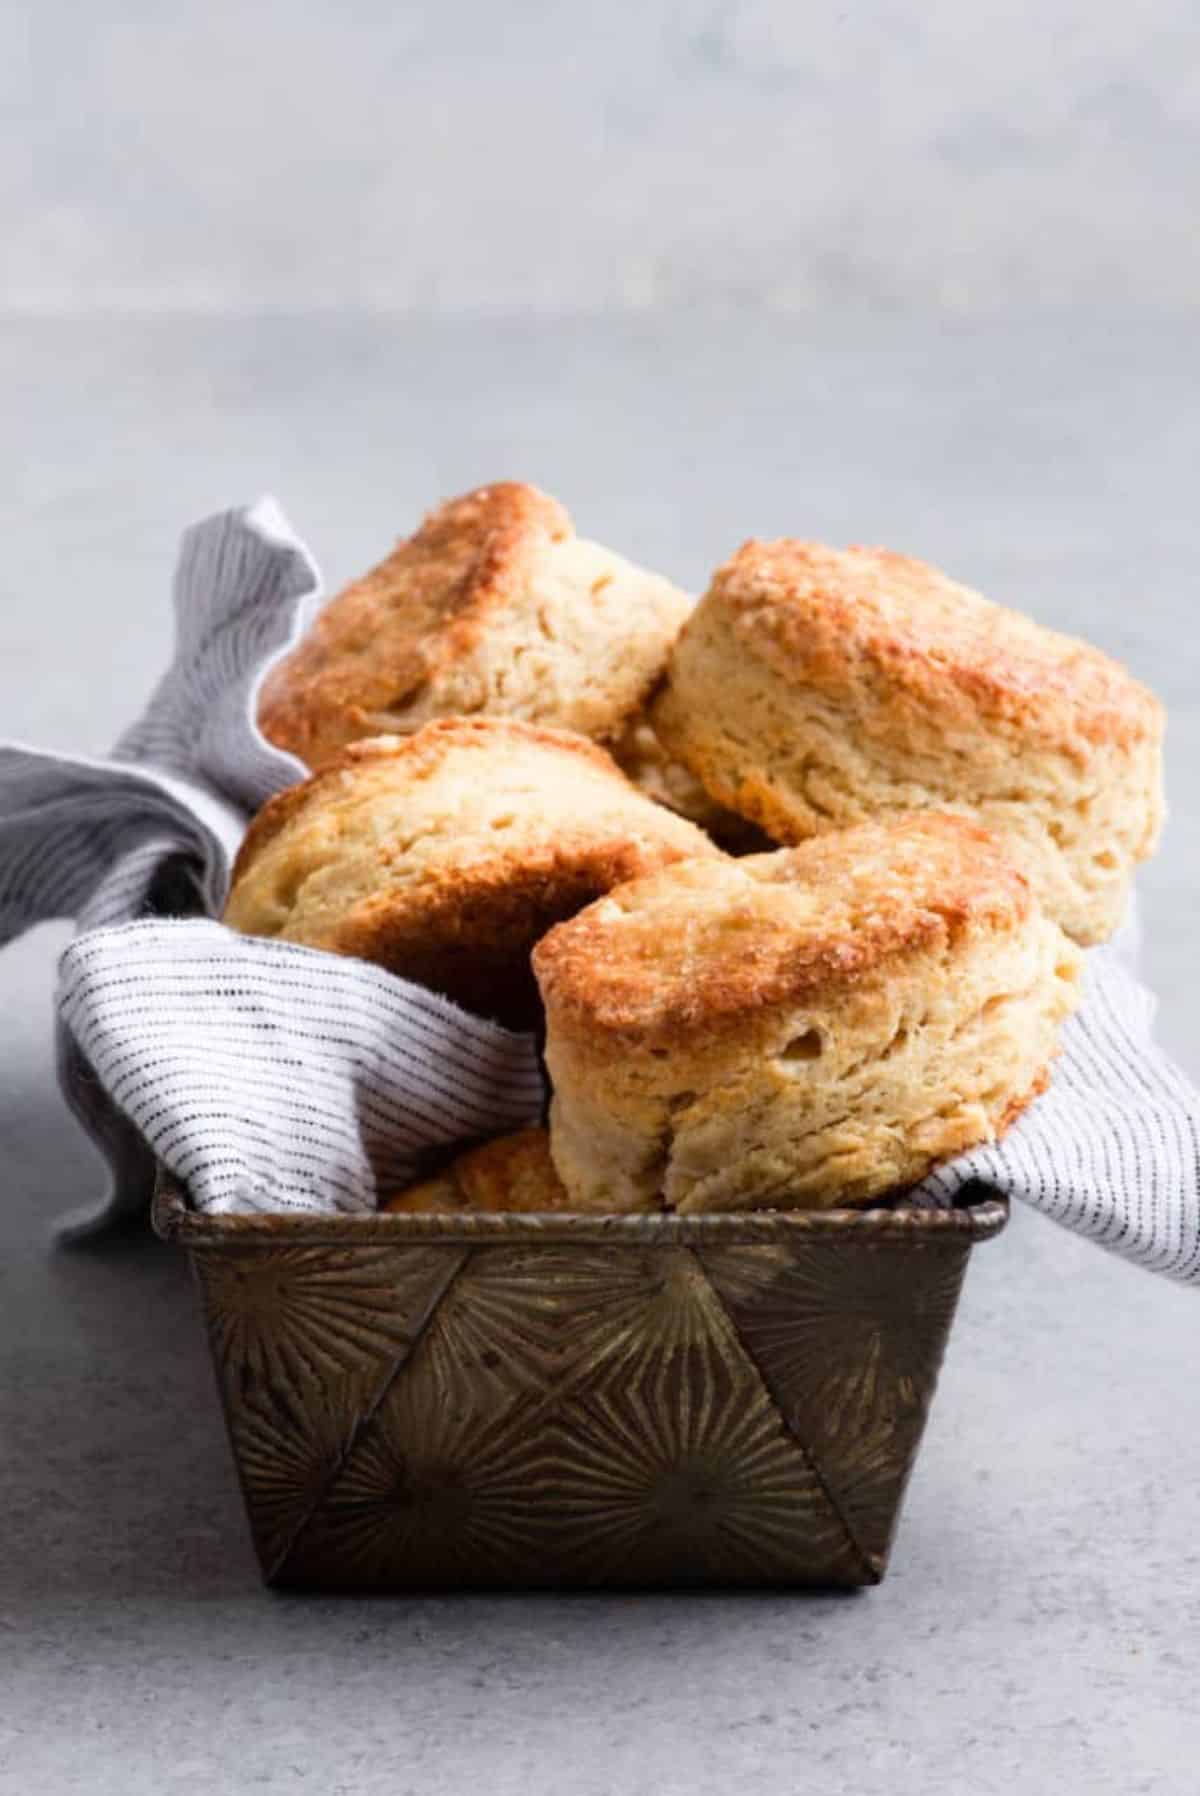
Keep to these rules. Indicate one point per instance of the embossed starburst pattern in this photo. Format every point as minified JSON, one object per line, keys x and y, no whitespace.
{"x":440,"y":1489}
{"x":286,"y":1316}
{"x":287,"y":1456}
{"x":304,"y":1339}
{"x":851,"y":1361}
{"x":540,"y":1319}
{"x":407,"y":1414}
{"x":687,"y":1475}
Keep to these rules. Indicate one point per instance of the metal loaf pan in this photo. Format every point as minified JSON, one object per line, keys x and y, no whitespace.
{"x":513,"y":1401}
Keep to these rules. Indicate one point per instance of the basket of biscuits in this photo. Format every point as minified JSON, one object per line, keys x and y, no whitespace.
{"x":791,"y":885}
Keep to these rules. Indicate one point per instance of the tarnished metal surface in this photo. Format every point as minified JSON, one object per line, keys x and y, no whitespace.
{"x":512,"y":1400}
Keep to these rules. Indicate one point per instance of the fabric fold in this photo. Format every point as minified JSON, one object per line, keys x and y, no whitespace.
{"x":268,"y":1076}
{"x":153,"y":828}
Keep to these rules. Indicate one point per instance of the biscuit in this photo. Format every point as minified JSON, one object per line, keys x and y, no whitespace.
{"x":813,"y":688}
{"x":513,"y":1172}
{"x":494,"y":608}
{"x":647,"y":765}
{"x":801,"y":1029}
{"x":445,"y":855}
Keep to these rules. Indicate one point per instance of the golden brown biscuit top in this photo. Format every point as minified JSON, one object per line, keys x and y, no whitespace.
{"x":674,"y":955}
{"x":513,"y":1172}
{"x":384,"y":637}
{"x":414,"y":758}
{"x":863,"y":617}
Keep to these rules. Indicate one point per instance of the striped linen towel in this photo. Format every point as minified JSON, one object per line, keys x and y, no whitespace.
{"x":269,"y":1076}
{"x":265,"y":1075}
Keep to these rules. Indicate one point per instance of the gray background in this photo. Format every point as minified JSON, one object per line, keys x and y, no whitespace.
{"x":918,"y":275}
{"x":550,"y":156}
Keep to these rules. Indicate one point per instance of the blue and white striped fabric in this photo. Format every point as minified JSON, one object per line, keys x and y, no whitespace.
{"x":1112,"y":1149}
{"x":270,"y":1076}
{"x":265,"y":1075}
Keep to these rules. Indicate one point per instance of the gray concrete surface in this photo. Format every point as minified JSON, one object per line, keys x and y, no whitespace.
{"x":559,"y":155}
{"x":1040,"y":1625}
